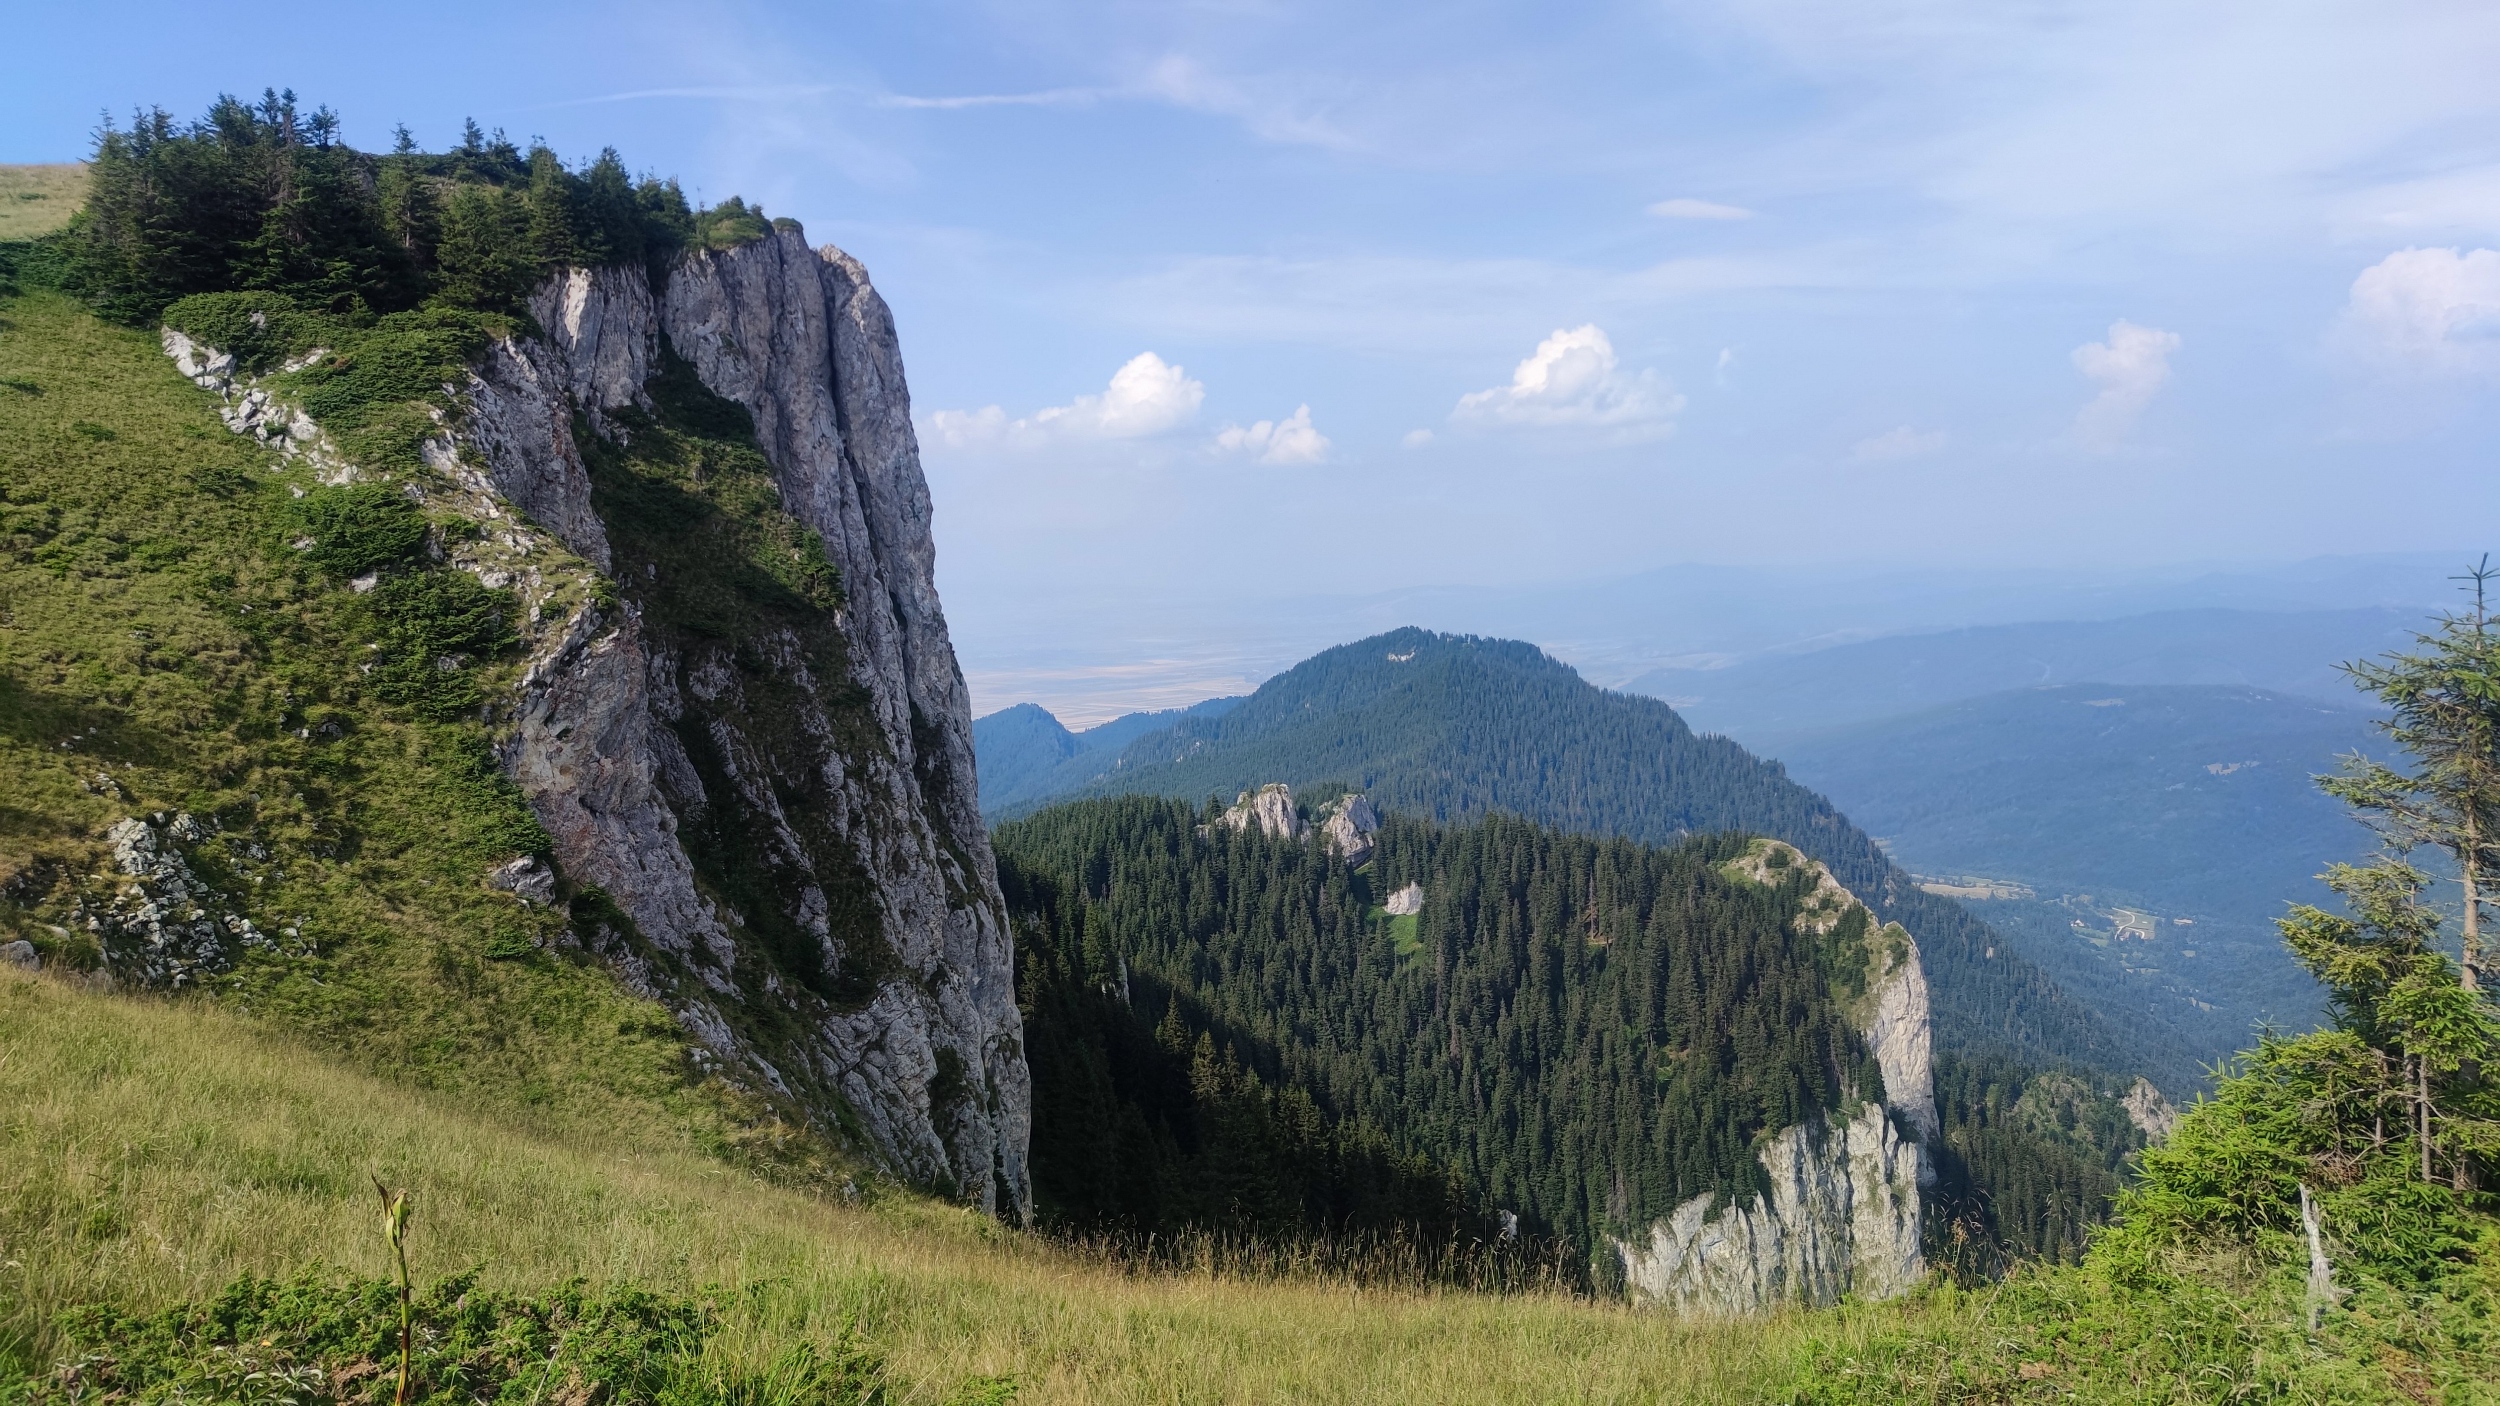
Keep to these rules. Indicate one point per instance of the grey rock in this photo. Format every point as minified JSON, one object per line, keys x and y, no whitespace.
{"x":1843,"y":1217}
{"x":525,"y":879}
{"x":2153,"y":1115}
{"x":602,"y":323}
{"x":1270,"y":808}
{"x":520,"y":429}
{"x":1406,"y":902}
{"x":1350,"y":826}
{"x":21,"y":955}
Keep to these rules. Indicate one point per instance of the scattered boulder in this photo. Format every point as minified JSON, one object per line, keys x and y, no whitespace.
{"x":527,"y":879}
{"x":20,"y":954}
{"x":1406,"y":902}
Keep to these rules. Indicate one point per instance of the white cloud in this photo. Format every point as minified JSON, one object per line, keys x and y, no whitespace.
{"x":2435,"y":310}
{"x":2131,"y":368}
{"x":1685,"y":207}
{"x":1573,"y":379}
{"x":1148,"y":396}
{"x":1416,"y":439}
{"x":1901,"y":442}
{"x":1294,"y":441}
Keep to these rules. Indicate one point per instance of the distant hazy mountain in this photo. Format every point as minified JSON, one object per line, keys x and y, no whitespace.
{"x":1449,"y":727}
{"x":2119,"y":806}
{"x":1022,"y":751}
{"x":1767,"y":702}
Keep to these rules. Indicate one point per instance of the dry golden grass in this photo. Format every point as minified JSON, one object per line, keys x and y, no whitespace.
{"x":151,"y":1150}
{"x":39,"y":199}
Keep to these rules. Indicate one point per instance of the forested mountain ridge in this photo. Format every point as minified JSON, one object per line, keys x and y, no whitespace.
{"x":1026,"y":752}
{"x":1591,"y":1033}
{"x":1451,"y":727}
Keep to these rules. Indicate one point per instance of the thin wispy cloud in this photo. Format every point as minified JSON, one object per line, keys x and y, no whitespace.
{"x":1900,"y":442}
{"x":1050,"y":97}
{"x":736,"y":92}
{"x":1685,"y":207}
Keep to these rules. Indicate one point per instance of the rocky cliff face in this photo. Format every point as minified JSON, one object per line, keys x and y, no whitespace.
{"x":1844,"y":1213}
{"x":773,"y":799}
{"x":1842,"y":1217}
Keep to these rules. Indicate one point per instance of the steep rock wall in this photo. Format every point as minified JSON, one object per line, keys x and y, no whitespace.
{"x":1844,"y":1214}
{"x":1842,"y":1217}
{"x":781,"y":819}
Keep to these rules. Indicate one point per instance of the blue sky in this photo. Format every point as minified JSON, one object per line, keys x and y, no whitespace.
{"x":1256,"y":300}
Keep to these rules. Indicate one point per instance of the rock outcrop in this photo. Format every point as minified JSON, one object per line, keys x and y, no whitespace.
{"x":2153,"y":1115}
{"x":1270,"y":808}
{"x":784,"y":822}
{"x":1842,"y":1217}
{"x":1406,"y":902}
{"x":1844,"y":1214}
{"x":1350,"y":825}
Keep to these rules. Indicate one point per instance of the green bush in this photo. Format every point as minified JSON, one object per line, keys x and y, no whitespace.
{"x":356,"y":529}
{"x":434,"y":628}
{"x":259,"y":329}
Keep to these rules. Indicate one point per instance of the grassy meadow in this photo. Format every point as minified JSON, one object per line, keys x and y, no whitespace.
{"x":154,"y":1149}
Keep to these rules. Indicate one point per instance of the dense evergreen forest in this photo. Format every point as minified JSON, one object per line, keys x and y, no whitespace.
{"x":1451,"y":727}
{"x":1583,"y":1031}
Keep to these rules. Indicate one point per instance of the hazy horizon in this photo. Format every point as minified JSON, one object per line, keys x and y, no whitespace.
{"x":1305,"y":302}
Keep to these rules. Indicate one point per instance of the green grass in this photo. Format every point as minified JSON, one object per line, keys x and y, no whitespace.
{"x":1405,"y":930}
{"x":36,"y":200}
{"x":152,"y":1150}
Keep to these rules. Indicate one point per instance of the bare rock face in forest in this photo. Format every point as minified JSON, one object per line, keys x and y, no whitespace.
{"x":772,"y":822}
{"x":1844,"y":1214}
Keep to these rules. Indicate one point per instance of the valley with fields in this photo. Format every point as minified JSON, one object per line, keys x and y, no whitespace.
{"x":512,"y":890}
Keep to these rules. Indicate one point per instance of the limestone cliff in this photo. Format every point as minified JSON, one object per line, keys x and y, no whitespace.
{"x":1842,"y":1217}
{"x":764,"y":817}
{"x":1844,"y":1213}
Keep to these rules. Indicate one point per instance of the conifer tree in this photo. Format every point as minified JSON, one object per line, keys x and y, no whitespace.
{"x":2444,"y":701}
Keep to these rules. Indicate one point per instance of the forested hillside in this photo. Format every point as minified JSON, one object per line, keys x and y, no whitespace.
{"x":1584,"y":1031}
{"x":2141,"y":839}
{"x":1451,"y":727}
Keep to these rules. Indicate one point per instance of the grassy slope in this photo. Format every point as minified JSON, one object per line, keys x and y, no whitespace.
{"x":154,"y":629}
{"x":39,"y":199}
{"x":151,"y":1149}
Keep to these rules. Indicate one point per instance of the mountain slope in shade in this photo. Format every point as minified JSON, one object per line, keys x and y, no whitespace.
{"x":1449,"y":727}
{"x":2155,"y":803}
{"x":1025,"y":751}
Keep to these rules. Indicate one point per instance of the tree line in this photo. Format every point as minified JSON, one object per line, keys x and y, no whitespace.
{"x":265,"y":197}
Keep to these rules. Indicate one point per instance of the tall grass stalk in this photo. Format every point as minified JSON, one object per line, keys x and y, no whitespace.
{"x":395,"y":1229}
